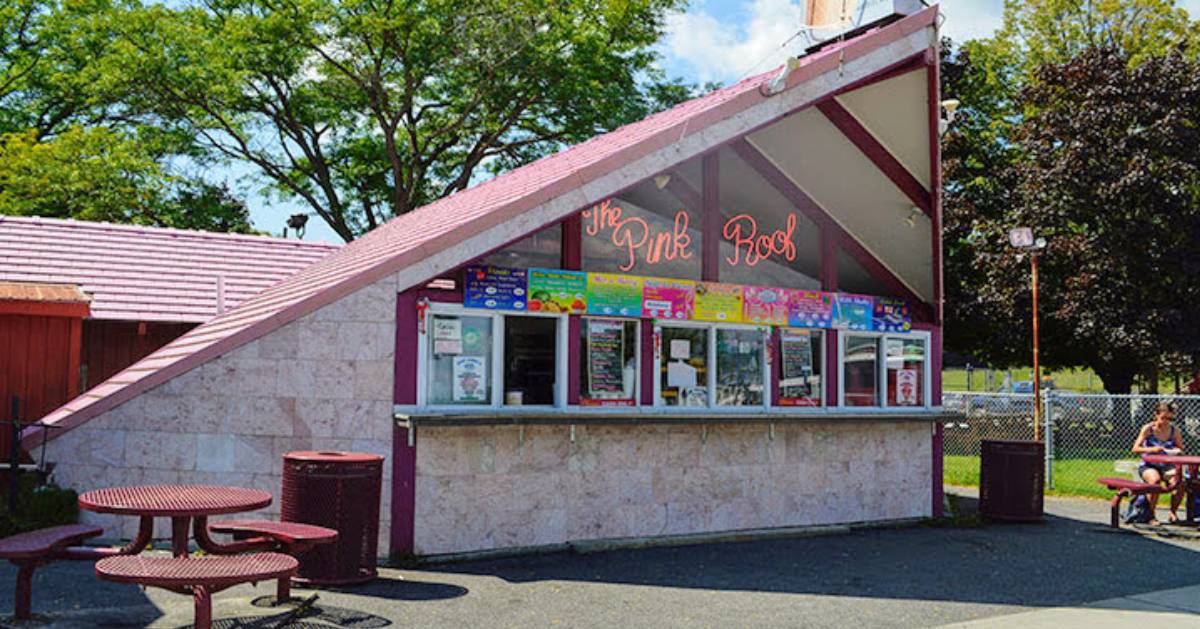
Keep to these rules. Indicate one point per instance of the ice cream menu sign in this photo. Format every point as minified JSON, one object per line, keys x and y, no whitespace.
{"x":763,"y":305}
{"x":557,"y":291}
{"x":495,"y":288}
{"x":616,"y":295}
{"x":718,"y":302}
{"x":852,"y":312}
{"x":605,"y":349}
{"x":668,"y":299}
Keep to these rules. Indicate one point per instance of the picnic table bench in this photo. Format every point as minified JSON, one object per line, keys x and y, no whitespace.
{"x":29,"y":550}
{"x":1127,"y":488}
{"x":199,"y":576}
{"x":293,"y":538}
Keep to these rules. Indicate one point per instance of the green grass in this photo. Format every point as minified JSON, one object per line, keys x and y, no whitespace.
{"x":1072,"y":477}
{"x":1081,"y":380}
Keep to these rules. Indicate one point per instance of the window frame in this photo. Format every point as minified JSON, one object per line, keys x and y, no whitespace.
{"x":710,"y":329}
{"x":822,"y":339}
{"x":561,"y":356}
{"x":881,"y":379}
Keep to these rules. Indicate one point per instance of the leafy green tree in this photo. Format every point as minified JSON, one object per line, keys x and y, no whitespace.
{"x":367,"y":109}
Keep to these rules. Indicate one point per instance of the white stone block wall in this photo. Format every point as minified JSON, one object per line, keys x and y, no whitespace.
{"x":481,"y":488}
{"x":321,"y":382}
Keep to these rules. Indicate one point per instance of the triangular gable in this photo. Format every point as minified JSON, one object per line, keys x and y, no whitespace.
{"x":896,"y":112}
{"x":447,"y":233}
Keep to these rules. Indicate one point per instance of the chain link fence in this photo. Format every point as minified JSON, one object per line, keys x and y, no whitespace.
{"x":1087,"y":435}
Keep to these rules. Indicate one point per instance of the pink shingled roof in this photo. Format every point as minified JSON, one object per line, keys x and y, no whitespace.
{"x":411,"y":238}
{"x":149,"y":273}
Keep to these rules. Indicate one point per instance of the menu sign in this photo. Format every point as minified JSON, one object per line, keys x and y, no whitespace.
{"x":494,"y":288}
{"x":605,"y":353}
{"x":891,"y":315}
{"x":763,"y":305}
{"x":810,"y":309}
{"x":470,"y":379}
{"x":852,"y":312}
{"x":718,"y":302}
{"x":796,"y":356}
{"x":557,"y":291}
{"x":610,"y":294}
{"x":668,"y":299}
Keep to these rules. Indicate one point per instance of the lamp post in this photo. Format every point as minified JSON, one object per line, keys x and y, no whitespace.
{"x":1022,"y":238}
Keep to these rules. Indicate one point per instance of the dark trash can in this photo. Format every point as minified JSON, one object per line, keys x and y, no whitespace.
{"x":338,"y":490}
{"x":1011,"y":480}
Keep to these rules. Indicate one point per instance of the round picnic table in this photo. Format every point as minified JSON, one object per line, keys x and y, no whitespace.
{"x":186,"y":505}
{"x":1191,"y":484}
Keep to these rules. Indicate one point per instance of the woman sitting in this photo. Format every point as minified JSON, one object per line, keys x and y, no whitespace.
{"x":1161,"y":437}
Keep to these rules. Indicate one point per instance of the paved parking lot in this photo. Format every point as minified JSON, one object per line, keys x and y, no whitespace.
{"x":911,"y":577}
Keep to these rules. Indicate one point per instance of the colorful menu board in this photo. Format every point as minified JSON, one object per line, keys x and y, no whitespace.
{"x":614,"y":295}
{"x":810,"y":309}
{"x":891,"y":315}
{"x":668,"y":299}
{"x":718,"y":302}
{"x":768,"y":306}
{"x":852,"y":312}
{"x":608,"y":294}
{"x":552,"y":290}
{"x":495,"y":288}
{"x":605,"y":351}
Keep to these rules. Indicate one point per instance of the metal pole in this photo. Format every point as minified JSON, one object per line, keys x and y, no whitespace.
{"x":1049,"y":442}
{"x":14,"y":456}
{"x":1037,"y":369}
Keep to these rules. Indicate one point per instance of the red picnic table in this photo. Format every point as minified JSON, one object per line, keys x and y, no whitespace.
{"x":184,"y":504}
{"x":1192,"y":484}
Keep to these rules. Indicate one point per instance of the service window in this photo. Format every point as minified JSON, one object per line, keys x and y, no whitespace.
{"x":905,"y":371}
{"x":683,"y":377}
{"x":800,"y":361}
{"x":459,"y":360}
{"x":609,"y":362}
{"x":530,"y":360}
{"x":741,"y":369}
{"x":860,"y":371}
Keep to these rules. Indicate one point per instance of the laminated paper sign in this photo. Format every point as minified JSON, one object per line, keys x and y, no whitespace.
{"x":810,"y":309}
{"x":605,"y":352}
{"x":470,"y":379}
{"x":768,"y":306}
{"x":852,"y":312}
{"x":718,"y":302}
{"x":557,"y":291}
{"x":495,"y":288}
{"x":668,"y":299}
{"x":614,"y":295}
{"x":891,"y":315}
{"x":906,"y":387}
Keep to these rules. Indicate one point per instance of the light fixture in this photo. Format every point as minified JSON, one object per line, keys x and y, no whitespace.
{"x":661,"y":181}
{"x":950,"y":106}
{"x":777,"y":84}
{"x":911,"y":219}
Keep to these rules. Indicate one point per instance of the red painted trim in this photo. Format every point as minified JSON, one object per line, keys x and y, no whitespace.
{"x":74,"y":350}
{"x":935,"y":178}
{"x":831,"y":367}
{"x":711,"y":220}
{"x":574,"y":357}
{"x":776,"y":350}
{"x":44,"y":308}
{"x":829,"y":254}
{"x":887,"y":163}
{"x":404,"y":390}
{"x":572,"y":243}
{"x":404,"y":492}
{"x":649,"y":367}
{"x":818,"y":215}
{"x":936,"y":472}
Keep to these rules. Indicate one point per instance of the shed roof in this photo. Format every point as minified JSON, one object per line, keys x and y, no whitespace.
{"x":448,"y":232}
{"x":52,"y":293}
{"x":140,"y":273}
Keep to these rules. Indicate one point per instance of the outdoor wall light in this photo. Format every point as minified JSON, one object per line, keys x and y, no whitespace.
{"x":661,"y":181}
{"x":950,"y":106}
{"x":776,"y":85}
{"x":913,"y":213}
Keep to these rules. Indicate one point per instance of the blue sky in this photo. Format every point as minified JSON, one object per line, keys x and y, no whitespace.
{"x":714,"y":40}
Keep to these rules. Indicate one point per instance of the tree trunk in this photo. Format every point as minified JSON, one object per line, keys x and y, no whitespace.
{"x":1118,"y":380}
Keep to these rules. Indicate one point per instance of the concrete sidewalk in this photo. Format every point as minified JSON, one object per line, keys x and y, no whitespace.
{"x":1179,"y":607}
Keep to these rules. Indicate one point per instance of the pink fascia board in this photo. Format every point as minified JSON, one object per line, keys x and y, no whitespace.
{"x":410,"y":238}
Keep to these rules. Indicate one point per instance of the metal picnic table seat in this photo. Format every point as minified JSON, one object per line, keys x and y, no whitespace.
{"x":199,"y":576}
{"x":35,"y":548}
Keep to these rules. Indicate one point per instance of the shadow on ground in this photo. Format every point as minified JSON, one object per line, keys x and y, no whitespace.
{"x":1061,"y":561}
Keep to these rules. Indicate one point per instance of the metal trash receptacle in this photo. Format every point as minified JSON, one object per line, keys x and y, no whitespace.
{"x":1011,"y":480}
{"x":341,"y":491}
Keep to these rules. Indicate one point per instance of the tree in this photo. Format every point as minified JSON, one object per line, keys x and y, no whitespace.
{"x":1106,"y":169}
{"x":367,"y":109}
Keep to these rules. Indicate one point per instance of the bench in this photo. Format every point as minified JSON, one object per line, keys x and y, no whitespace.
{"x":1126,"y":488}
{"x":199,"y":576}
{"x":29,"y":550}
{"x":292,"y":538}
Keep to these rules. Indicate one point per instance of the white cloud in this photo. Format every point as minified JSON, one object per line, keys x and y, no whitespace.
{"x":710,"y":48}
{"x":971,"y":19}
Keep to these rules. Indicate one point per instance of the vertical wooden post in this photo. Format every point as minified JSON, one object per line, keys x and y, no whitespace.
{"x":710,"y":262}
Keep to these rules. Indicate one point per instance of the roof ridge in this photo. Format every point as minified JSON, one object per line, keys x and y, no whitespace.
{"x":71,"y":223}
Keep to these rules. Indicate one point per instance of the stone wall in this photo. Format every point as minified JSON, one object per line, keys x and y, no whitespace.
{"x":321,"y":382}
{"x":484,"y":488}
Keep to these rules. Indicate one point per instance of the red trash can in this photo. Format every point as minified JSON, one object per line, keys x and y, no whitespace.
{"x":338,"y":490}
